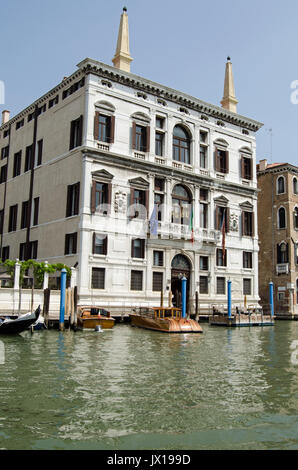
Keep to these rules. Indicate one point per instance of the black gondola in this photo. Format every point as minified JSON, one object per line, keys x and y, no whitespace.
{"x":10,"y":326}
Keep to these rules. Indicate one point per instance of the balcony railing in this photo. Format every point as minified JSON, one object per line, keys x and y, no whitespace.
{"x":282,"y":268}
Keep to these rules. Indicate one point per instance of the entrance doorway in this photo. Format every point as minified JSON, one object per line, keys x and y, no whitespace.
{"x":180,"y":267}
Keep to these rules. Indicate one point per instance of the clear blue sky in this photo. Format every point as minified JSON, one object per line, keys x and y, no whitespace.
{"x":181,"y":44}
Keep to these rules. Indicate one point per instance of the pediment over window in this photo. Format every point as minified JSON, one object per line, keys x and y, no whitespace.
{"x":141,"y":117}
{"x":221,"y":201}
{"x":246,"y":150}
{"x":141,"y":182}
{"x":247,"y":206}
{"x":102,"y":174}
{"x":105,"y":105}
{"x":221,"y":143}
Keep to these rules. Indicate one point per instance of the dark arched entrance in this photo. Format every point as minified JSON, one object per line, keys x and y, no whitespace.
{"x":180,"y":267}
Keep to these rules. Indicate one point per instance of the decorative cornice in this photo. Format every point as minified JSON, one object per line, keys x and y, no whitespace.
{"x":283,"y":167}
{"x":125,"y":78}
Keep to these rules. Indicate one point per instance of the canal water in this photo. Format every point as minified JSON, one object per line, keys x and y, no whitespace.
{"x":134,"y":389}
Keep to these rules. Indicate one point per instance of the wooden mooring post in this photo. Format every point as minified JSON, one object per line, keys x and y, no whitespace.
{"x":197,"y":306}
{"x":46,"y":305}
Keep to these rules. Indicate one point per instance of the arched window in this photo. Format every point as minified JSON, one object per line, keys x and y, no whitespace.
{"x":296,"y":218}
{"x":181,"y":205}
{"x":181,"y":145}
{"x":295,"y":186}
{"x":282,"y":253}
{"x":280,"y":185}
{"x":281,"y":218}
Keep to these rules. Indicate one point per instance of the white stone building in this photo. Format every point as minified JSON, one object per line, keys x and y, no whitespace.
{"x":107,"y":136}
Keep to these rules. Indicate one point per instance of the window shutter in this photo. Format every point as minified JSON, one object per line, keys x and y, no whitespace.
{"x":77,"y":208}
{"x":68,"y":201}
{"x":75,"y":241}
{"x":105,"y":245}
{"x":216,"y":160}
{"x":252,"y":224}
{"x":143,"y":249}
{"x":80,"y":137}
{"x":227,"y":162}
{"x":228,"y":219}
{"x":217,"y":257}
{"x":242,"y":167}
{"x":66,"y":245}
{"x":242,"y":223}
{"x":147,"y":202}
{"x":112,"y":130}
{"x":93,"y":242}
{"x":96,"y":126}
{"x":71,"y":141}
{"x":133,"y":135}
{"x":132,"y":248}
{"x":148,"y":139}
{"x":93,"y":197}
{"x":109,"y":197}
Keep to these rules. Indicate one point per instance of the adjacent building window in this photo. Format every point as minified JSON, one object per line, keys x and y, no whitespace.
{"x":295,"y":186}
{"x":203,"y":284}
{"x":100,"y":244}
{"x":73,"y":199}
{"x":247,"y":224}
{"x":98,"y":278}
{"x":53,"y":101}
{"x":181,"y":205}
{"x":3,"y":174}
{"x":76,"y":131}
{"x":296,"y":218}
{"x":71,"y":243}
{"x":29,"y":158}
{"x":32,"y":248}
{"x":157,"y":282}
{"x":282,"y":253}
{"x":22,"y":252}
{"x":35,"y":211}
{"x":246,"y":286}
{"x":247,"y":259}
{"x":158,"y":258}
{"x":5,"y":253}
{"x":25,"y":214}
{"x":17,"y":164}
{"x":19,"y":124}
{"x":13,"y":215}
{"x":221,"y":285}
{"x":1,"y":221}
{"x":4,"y":152}
{"x":181,"y":145}
{"x":281,"y":185}
{"x":136,"y":280}
{"x":138,"y":248}
{"x":39,"y":152}
{"x":221,"y":257}
{"x":281,"y":218}
{"x":104,"y":127}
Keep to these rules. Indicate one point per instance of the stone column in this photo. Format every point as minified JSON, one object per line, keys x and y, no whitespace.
{"x":17,"y":271}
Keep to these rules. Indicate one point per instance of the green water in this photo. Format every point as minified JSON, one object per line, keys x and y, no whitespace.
{"x":134,"y":389}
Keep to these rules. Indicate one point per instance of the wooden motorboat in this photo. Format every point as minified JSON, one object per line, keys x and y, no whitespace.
{"x":250,"y":317}
{"x":92,"y":317}
{"x":166,"y":320}
{"x":17,"y":325}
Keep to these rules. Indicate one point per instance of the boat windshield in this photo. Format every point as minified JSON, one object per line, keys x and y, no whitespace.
{"x":167,"y":313}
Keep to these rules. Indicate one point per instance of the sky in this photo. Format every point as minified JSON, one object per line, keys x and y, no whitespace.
{"x":182,"y":45}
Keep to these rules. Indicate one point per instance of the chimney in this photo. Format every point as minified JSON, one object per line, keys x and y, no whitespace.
{"x":5,"y":116}
{"x":262,"y":165}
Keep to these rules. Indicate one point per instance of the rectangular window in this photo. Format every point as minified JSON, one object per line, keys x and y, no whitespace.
{"x":222,"y":214}
{"x":203,"y":156}
{"x":221,"y":257}
{"x":221,"y":161}
{"x":221,"y":285}
{"x":6,"y":133}
{"x":4,"y":152}
{"x":32,"y":251}
{"x":157,"y":282}
{"x":54,"y":101}
{"x":17,"y":164}
{"x":25,"y":214}
{"x":13,"y":215}
{"x":33,"y":246}
{"x":100,"y":195}
{"x":35,"y":211}
{"x":70,"y":243}
{"x":204,"y":263}
{"x":73,"y":199}
{"x":3,"y":174}
{"x":29,"y":158}
{"x":5,"y":253}
{"x":159,"y":122}
{"x":136,"y":281}
{"x":19,"y":124}
{"x":248,"y":224}
{"x":247,"y":260}
{"x":139,"y":197}
{"x":246,"y":286}
{"x":100,"y":244}
{"x":141,"y":139}
{"x":157,"y":258}
{"x":39,"y":152}
{"x":159,"y":144}
{"x":98,"y":278}
{"x":282,"y":253}
{"x":76,"y":129}
{"x":138,"y":248}
{"x":246,"y":168}
{"x":1,"y":221}
{"x":203,"y":284}
{"x":22,"y":252}
{"x":203,"y":215}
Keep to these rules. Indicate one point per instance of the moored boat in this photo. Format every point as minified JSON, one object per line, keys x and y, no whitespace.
{"x":91,"y":317}
{"x":166,"y":320}
{"x":17,"y":325}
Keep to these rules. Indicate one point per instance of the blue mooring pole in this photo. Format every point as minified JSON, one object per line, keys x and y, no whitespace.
{"x":271,"y":298}
{"x":184,"y":281}
{"x":230,"y":299}
{"x":62,"y":299}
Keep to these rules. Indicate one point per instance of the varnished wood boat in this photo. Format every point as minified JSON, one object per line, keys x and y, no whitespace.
{"x":166,"y":320}
{"x":91,"y":317}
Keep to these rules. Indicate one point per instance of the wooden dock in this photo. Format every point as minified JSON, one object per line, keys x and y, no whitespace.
{"x":241,"y":320}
